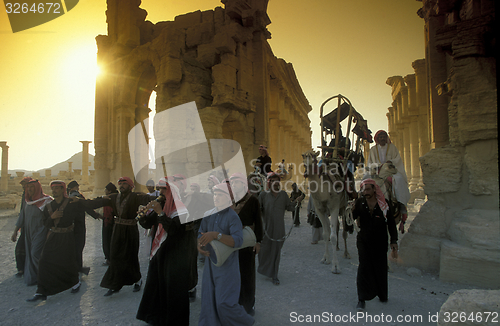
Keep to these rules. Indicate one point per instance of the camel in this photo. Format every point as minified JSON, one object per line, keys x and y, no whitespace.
{"x":328,"y":194}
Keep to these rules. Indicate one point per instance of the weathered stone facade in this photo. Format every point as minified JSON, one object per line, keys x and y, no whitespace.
{"x":457,"y":230}
{"x":218,"y":58}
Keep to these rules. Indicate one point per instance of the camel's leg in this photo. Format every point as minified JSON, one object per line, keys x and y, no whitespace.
{"x":335,"y":262}
{"x":326,"y":236}
{"x":338,"y":227}
{"x":346,"y":253}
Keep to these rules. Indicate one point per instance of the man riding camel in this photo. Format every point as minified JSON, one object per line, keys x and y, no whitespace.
{"x":385,"y":152}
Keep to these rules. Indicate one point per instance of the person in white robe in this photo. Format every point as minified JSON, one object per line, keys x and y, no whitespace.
{"x":384,"y":151}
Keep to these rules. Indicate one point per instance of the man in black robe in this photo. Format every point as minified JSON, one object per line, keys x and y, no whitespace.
{"x":124,"y":268}
{"x":197,"y":203}
{"x":375,"y":219}
{"x":80,"y":229}
{"x":248,"y":209}
{"x":58,"y":266}
{"x":165,"y":300}
{"x":264,"y":161}
{"x":296,"y":193}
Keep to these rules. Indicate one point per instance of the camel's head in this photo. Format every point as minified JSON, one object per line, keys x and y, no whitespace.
{"x":387,"y":170}
{"x":310,"y":157}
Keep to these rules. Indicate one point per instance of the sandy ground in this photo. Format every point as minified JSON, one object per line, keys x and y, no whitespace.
{"x":309,"y":293}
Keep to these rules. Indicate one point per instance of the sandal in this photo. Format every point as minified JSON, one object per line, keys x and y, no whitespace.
{"x":276,"y":281}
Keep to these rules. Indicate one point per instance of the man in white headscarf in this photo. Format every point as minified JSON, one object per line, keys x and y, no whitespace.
{"x":384,"y":151}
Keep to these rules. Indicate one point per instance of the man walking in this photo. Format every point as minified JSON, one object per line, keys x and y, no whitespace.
{"x":124,"y":268}
{"x":273,"y":204}
{"x":20,"y":250}
{"x":375,"y":220}
{"x":58,"y":270}
{"x":248,"y":209}
{"x":80,"y":228}
{"x":221,"y":285}
{"x":35,"y":233}
{"x":165,"y":300}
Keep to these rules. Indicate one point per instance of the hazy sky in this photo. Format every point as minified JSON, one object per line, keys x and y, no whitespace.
{"x":47,"y":73}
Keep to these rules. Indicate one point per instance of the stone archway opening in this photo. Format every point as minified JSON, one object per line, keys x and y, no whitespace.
{"x":145,"y":101}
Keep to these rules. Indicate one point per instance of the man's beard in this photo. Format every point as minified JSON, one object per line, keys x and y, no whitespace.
{"x":124,"y":191}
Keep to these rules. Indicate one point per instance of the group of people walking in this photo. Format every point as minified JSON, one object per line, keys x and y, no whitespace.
{"x":182,"y":225}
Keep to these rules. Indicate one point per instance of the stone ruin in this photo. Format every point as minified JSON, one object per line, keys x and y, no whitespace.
{"x":13,"y":190}
{"x":456,"y":232}
{"x":218,"y":58}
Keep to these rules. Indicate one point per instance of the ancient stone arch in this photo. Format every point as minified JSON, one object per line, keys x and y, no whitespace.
{"x":218,"y":58}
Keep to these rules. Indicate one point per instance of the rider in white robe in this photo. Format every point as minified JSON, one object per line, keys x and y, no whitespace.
{"x":384,"y":151}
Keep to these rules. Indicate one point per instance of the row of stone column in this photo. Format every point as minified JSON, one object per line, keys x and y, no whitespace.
{"x":408,"y":120}
{"x":83,"y":172}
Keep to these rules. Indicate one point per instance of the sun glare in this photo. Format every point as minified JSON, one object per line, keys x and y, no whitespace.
{"x":80,"y":66}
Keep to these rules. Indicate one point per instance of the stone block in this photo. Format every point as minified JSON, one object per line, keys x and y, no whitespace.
{"x":207,"y":32}
{"x":420,"y":251}
{"x":193,"y":36}
{"x":476,"y":228}
{"x":238,"y":32}
{"x":224,"y":43}
{"x":229,"y":98}
{"x":199,"y":34}
{"x":230,"y":60}
{"x":187,"y":20}
{"x":481,"y":160}
{"x":442,"y":170}
{"x":416,"y":194}
{"x":169,"y":42}
{"x":477,"y":116}
{"x":475,"y":303}
{"x":219,"y":19}
{"x":207,"y":55}
{"x":245,"y":75}
{"x":224,"y":74}
{"x":207,"y":16}
{"x":6,"y":203}
{"x":430,"y":221}
{"x":460,"y":264}
{"x":170,"y":71}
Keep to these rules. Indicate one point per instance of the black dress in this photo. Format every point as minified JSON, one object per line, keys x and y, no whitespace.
{"x":372,"y":243}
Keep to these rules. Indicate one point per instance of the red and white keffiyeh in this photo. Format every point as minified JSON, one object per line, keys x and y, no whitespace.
{"x":39,"y":199}
{"x":173,"y":207}
{"x":378,"y":194}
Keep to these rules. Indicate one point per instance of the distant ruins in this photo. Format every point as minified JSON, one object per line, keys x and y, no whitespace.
{"x":218,"y":58}
{"x":444,"y":121}
{"x":12,"y":189}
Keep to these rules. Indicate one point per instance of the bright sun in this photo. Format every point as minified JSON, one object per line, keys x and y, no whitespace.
{"x":81,"y":67}
{"x":78,"y":74}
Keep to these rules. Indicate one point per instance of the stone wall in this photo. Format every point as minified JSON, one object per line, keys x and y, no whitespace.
{"x":218,"y":58}
{"x":457,"y":230}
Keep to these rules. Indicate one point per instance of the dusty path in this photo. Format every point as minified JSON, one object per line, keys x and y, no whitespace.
{"x":307,"y":288}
